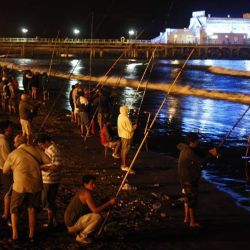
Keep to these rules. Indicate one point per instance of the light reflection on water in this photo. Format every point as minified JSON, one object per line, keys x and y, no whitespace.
{"x":212,"y":118}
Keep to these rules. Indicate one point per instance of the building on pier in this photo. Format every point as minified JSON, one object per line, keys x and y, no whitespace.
{"x":209,"y":30}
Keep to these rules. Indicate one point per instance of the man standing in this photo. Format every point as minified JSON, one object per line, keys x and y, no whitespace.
{"x":83,"y":105}
{"x":5,"y":149}
{"x":126,"y":132}
{"x":75,"y":95}
{"x":25,"y":113}
{"x":24,"y":162}
{"x":104,"y":106}
{"x":51,"y":174}
{"x":82,"y":216}
{"x":189,"y":170}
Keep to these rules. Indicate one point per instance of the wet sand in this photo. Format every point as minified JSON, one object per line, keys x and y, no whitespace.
{"x":143,"y":218}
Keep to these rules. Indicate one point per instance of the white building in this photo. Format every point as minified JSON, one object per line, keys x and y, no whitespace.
{"x":175,"y":36}
{"x":206,"y":29}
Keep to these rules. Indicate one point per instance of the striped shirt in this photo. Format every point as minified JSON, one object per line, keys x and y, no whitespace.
{"x":53,"y":176}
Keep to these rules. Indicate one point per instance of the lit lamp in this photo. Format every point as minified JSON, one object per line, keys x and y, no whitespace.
{"x":24,"y":31}
{"x":131,"y":33}
{"x":76,"y":32}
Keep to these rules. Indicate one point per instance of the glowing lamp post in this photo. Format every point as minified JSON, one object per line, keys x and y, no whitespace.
{"x":76,"y":32}
{"x":24,"y":31}
{"x":131,"y":34}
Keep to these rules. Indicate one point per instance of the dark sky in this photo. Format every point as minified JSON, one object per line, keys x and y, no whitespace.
{"x":111,"y":18}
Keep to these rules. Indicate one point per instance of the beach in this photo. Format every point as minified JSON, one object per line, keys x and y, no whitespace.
{"x":148,"y":216}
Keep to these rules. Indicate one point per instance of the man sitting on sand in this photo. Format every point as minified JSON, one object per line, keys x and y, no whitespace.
{"x":82,"y":216}
{"x":108,"y":139}
{"x":189,"y":171}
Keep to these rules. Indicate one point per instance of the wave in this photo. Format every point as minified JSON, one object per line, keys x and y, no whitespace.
{"x":164,"y":87}
{"x":230,"y":72}
{"x":212,"y":69}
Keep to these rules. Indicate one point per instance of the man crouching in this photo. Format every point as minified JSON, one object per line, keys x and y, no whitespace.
{"x":82,"y":216}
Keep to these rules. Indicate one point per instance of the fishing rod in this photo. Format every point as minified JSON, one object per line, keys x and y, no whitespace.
{"x":247,"y":160}
{"x":100,"y":83}
{"x":149,"y":62}
{"x":230,"y":131}
{"x":57,"y":98}
{"x":117,"y":60}
{"x":144,"y":93}
{"x":145,"y":112}
{"x":53,"y":52}
{"x":146,"y":127}
{"x":143,"y":75}
{"x":90,"y":54}
{"x":146,"y":134}
{"x":93,"y":117}
{"x":117,"y":83}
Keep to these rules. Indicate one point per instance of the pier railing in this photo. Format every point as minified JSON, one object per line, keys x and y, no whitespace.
{"x":72,"y":41}
{"x":69,"y":47}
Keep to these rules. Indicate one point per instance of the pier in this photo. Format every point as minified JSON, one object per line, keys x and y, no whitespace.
{"x":100,"y":48}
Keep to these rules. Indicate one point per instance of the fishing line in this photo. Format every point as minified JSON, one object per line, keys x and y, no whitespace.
{"x":101,"y":82}
{"x":53,"y":52}
{"x":146,"y":134}
{"x":143,"y":75}
{"x":144,"y":92}
{"x":57,"y":98}
{"x":90,"y":54}
{"x":230,"y":131}
{"x":247,"y":160}
{"x":104,"y":16}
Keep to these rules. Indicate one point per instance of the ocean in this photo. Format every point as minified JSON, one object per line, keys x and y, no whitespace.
{"x":211,"y":118}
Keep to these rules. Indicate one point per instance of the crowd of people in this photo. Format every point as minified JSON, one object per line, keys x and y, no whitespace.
{"x":31,"y":165}
{"x":86,"y":104}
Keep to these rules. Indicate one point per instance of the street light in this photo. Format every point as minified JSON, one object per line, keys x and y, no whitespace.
{"x":24,"y":31}
{"x":132,"y":34}
{"x":76,"y":31}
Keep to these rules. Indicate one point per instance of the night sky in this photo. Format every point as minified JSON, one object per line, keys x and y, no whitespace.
{"x":111,"y":18}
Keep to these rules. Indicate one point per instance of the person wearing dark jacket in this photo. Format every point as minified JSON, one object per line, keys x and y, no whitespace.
{"x":104,"y":106}
{"x":189,"y":170}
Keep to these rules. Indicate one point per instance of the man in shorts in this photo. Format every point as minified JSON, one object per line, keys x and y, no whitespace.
{"x":51,"y":174}
{"x":25,"y":113}
{"x":5,"y":149}
{"x":24,"y":163}
{"x":125,"y":132}
{"x":189,"y":170}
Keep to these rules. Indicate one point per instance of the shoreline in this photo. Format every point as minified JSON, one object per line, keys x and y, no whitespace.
{"x":164,"y":87}
{"x":137,"y":221}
